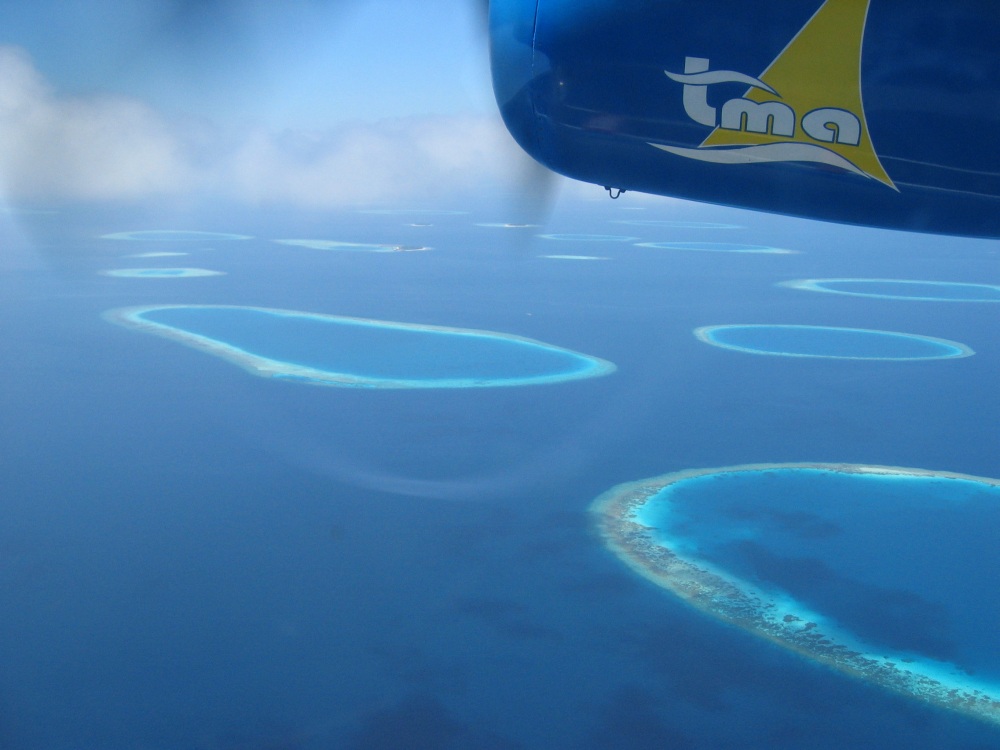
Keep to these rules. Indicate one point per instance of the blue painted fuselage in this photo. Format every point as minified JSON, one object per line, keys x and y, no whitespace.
{"x":883,"y":113}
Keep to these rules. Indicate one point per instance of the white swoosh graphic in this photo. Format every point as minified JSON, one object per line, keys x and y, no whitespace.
{"x":767,"y":152}
{"x":718,"y":76}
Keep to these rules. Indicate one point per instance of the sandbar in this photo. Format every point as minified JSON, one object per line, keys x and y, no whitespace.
{"x":771,"y":614}
{"x":330,"y":350}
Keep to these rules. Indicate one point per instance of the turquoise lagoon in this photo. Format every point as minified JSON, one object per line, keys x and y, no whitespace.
{"x":830,"y":342}
{"x":331,"y":350}
{"x":933,"y":291}
{"x":884,"y":573}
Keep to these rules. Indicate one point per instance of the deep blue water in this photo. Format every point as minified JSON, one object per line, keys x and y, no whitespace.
{"x":197,"y":558}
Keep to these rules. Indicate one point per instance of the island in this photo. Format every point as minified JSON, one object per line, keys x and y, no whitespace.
{"x":662,"y":557}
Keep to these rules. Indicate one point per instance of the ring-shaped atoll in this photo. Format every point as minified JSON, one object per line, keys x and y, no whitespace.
{"x":410,"y":212}
{"x":904,"y":289}
{"x":160,"y":273}
{"x":829,"y":342}
{"x":588,"y":237}
{"x":502,"y":225}
{"x":353,"y":247}
{"x":718,"y":247}
{"x":574,"y":257}
{"x":644,"y":523}
{"x":174,"y":235}
{"x":676,"y":224}
{"x":331,"y":350}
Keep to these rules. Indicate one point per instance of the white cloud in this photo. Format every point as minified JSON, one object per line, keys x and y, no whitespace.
{"x":116,"y":148}
{"x":386,"y":161}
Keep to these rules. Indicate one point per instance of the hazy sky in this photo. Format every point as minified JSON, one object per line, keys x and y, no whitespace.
{"x":289,"y":63}
{"x":307,"y":102}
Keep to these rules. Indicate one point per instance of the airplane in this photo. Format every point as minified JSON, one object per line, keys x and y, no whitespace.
{"x":883,"y":113}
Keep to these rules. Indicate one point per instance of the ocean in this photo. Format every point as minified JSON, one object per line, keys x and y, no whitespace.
{"x":197,"y":558}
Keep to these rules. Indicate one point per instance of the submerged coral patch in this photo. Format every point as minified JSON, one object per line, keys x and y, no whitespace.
{"x":174,"y":235}
{"x":501,"y":225}
{"x":830,"y":343}
{"x":411,"y":212}
{"x":676,"y":224}
{"x":574,"y":257}
{"x":160,"y":273}
{"x":353,"y":247}
{"x":901,"y":289}
{"x":332,"y":350}
{"x":588,"y":237}
{"x":717,"y":247}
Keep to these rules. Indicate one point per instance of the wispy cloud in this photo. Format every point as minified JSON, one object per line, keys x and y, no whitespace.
{"x":106,"y":147}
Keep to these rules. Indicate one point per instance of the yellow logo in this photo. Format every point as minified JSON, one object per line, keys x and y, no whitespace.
{"x":805,"y":107}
